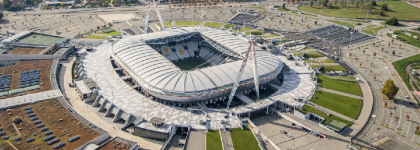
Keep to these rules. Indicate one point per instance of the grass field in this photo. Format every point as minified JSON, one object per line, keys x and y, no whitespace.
{"x":245,"y":29}
{"x":188,"y":64}
{"x":344,"y":105}
{"x":257,"y":7}
{"x":272,"y":35}
{"x":110,"y":33}
{"x":330,"y":68}
{"x":187,"y":23}
{"x":229,"y":25}
{"x":256,"y":32}
{"x":349,"y":24}
{"x":167,"y":24}
{"x":95,"y":37}
{"x":327,"y":61}
{"x":281,"y":9}
{"x":307,"y":109}
{"x":344,"y":78}
{"x":49,"y":112}
{"x":313,"y":55}
{"x":244,"y":139}
{"x":372,"y":31}
{"x":410,"y":40}
{"x":398,"y":9}
{"x":402,"y":64}
{"x":399,"y":24}
{"x":213,"y":140}
{"x":213,"y":24}
{"x":338,"y":85}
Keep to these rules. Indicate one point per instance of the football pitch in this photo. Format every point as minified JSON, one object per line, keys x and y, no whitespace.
{"x":190,"y":63}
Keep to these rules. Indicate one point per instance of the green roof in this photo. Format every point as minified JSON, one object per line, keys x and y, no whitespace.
{"x":336,"y":125}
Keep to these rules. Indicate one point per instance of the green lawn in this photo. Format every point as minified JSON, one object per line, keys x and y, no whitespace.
{"x":330,"y":68}
{"x":256,"y":32}
{"x":344,"y":105}
{"x":213,"y":24}
{"x":410,"y":40}
{"x":110,"y":33}
{"x":402,"y":64}
{"x":372,"y":31}
{"x":338,"y":85}
{"x":213,"y":140}
{"x":361,"y":21}
{"x":349,"y":24}
{"x":307,"y":109}
{"x":244,"y":139}
{"x":327,"y":61}
{"x":313,"y":55}
{"x":257,"y":7}
{"x":245,"y":29}
{"x":398,"y":9}
{"x":95,"y":37}
{"x":281,"y":9}
{"x":345,"y":78}
{"x":167,"y":24}
{"x":229,"y":25}
{"x":187,"y":23}
{"x":272,"y":35}
{"x":399,"y":24}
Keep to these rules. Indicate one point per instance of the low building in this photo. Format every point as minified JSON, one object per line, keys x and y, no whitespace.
{"x":87,"y":89}
{"x":337,"y":126}
{"x":155,"y":129}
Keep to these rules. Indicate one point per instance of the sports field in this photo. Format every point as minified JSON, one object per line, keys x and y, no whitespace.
{"x":190,"y":63}
{"x":398,"y":9}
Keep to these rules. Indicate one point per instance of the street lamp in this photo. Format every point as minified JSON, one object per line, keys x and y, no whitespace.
{"x":367,"y":14}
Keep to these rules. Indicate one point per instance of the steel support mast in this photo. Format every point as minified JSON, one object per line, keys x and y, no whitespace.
{"x":241,"y":71}
{"x":162,"y":23}
{"x":146,"y":20}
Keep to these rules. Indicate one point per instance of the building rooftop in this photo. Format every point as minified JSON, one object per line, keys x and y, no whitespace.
{"x":156,"y":120}
{"x":38,"y":38}
{"x":336,"y":125}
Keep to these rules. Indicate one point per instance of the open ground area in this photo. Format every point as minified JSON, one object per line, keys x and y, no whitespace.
{"x":53,"y":116}
{"x":213,"y":141}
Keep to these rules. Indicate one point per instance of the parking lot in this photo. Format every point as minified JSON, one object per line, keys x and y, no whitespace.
{"x":68,"y":25}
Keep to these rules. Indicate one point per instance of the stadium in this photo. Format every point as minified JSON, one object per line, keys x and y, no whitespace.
{"x":187,"y":65}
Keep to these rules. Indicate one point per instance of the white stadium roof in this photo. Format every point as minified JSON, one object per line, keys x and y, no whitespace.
{"x":153,"y":70}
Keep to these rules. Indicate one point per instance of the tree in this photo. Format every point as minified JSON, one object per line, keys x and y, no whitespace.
{"x":63,"y":4}
{"x":352,"y":1}
{"x":28,"y":2}
{"x":1,"y":15}
{"x":311,"y":2}
{"x":319,"y":2}
{"x":392,"y":21}
{"x":325,"y":3}
{"x":382,"y":13}
{"x":335,"y":2}
{"x":283,"y":6}
{"x":390,"y":89}
{"x":315,"y":23}
{"x":374,"y":3}
{"x":6,"y":3}
{"x":384,"y":7}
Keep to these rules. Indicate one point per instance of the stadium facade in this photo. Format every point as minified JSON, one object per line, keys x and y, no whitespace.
{"x":151,"y":62}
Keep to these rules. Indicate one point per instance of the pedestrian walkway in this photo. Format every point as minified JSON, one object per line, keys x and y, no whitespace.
{"x":226,"y":140}
{"x":196,"y":140}
{"x":339,"y":93}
